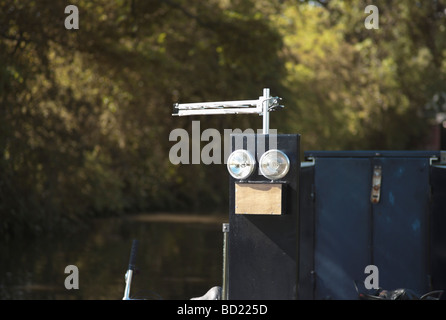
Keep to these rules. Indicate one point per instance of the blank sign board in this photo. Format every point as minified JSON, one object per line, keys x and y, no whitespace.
{"x":258,"y":198}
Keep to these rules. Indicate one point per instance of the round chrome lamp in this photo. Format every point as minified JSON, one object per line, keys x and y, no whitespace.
{"x":241,"y":164}
{"x":274,"y":164}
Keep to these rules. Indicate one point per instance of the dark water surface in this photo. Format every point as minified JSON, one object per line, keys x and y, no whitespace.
{"x":179,"y":257}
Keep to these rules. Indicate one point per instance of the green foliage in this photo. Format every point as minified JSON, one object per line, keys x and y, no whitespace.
{"x":358,"y":88}
{"x":85,"y":115}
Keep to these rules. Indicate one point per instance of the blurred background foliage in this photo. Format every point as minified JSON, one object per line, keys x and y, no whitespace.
{"x":85,"y":115}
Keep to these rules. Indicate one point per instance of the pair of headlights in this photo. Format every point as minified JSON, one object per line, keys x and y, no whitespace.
{"x":273,"y":164}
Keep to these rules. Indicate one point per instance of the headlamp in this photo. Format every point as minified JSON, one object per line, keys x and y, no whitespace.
{"x":274,"y":164}
{"x":241,"y":164}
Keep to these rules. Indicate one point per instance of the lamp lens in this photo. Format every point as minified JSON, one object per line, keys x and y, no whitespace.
{"x":241,"y":164}
{"x":274,"y":164}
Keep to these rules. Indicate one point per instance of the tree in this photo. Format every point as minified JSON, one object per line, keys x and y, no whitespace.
{"x":358,"y":88}
{"x":86,"y":113}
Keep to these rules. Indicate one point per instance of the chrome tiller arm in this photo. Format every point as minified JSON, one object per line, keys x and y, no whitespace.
{"x":131,"y":268}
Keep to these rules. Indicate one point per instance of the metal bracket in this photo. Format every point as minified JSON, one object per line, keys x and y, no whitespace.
{"x":262,"y":106}
{"x":376,"y":184}
{"x":310,"y":163}
{"x":434,"y":160}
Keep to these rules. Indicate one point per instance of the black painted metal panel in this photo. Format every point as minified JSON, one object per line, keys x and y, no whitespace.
{"x":262,"y":249}
{"x":403,"y":234}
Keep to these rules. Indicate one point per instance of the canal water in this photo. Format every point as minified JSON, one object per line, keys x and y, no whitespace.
{"x":179,"y":257}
